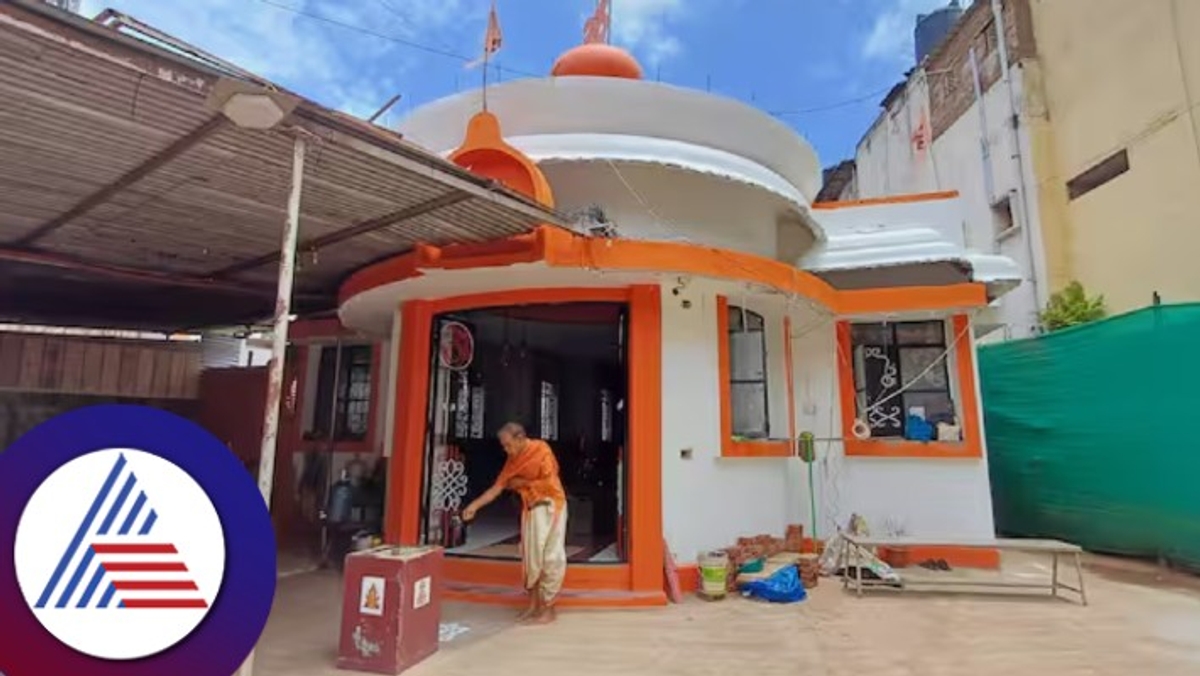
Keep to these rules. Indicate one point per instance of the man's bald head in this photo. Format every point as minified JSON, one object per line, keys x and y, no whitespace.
{"x":512,"y":437}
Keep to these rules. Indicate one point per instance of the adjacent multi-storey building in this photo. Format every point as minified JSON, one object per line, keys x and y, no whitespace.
{"x":1073,"y":142}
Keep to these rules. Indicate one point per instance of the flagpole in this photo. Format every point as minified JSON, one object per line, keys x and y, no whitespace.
{"x":485,"y":73}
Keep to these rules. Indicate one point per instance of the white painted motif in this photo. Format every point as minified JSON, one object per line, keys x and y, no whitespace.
{"x":449,"y":485}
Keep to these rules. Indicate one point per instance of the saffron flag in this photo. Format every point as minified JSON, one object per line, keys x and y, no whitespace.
{"x":492,"y":39}
{"x":597,"y":27}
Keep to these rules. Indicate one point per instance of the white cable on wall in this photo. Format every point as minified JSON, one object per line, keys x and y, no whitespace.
{"x":674,"y":234}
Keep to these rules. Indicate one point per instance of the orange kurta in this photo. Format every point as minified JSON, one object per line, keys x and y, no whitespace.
{"x":537,"y":465}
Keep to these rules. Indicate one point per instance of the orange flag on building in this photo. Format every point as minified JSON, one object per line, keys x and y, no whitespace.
{"x":596,"y":29}
{"x":492,"y":39}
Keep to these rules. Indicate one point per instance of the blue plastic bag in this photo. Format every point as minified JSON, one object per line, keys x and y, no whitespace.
{"x":783,"y":586}
{"x":917,"y":428}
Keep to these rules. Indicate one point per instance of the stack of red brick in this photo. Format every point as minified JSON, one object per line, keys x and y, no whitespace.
{"x":793,"y":541}
{"x":761,"y":547}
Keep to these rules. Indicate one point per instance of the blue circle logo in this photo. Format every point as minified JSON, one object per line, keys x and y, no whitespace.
{"x":140,"y":545}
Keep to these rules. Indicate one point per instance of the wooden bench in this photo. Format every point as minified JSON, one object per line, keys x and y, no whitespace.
{"x":854,"y":553}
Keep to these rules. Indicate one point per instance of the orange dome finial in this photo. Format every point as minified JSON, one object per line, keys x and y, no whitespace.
{"x":597,"y":60}
{"x":596,"y":57}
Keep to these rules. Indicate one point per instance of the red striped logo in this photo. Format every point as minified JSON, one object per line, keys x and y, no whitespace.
{"x":149,"y":575}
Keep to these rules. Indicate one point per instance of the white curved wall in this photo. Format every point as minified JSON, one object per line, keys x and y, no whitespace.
{"x":592,"y":105}
{"x":696,"y":167}
{"x":654,"y":202}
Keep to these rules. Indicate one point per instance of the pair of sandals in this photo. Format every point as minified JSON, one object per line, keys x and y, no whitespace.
{"x":935,"y":564}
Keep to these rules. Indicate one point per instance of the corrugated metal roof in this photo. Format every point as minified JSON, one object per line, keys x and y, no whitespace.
{"x":118,"y":178}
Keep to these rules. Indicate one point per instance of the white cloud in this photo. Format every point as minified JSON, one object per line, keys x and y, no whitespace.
{"x":644,"y":27}
{"x":339,"y":67}
{"x":891,"y":34}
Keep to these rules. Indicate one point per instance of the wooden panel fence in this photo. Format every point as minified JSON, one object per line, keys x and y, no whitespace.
{"x":107,"y":367}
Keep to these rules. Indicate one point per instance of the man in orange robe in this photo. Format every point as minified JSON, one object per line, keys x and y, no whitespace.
{"x":532,"y":471}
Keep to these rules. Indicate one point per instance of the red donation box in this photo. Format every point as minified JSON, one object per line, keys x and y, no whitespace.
{"x":391,"y":608}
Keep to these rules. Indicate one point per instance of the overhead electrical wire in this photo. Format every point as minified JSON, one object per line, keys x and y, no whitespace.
{"x":464,"y":58}
{"x":869,"y":96}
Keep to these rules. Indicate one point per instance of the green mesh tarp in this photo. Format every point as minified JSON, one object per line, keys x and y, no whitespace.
{"x":1093,"y":434}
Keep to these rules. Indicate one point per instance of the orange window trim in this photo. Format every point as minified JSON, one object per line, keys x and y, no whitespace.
{"x":731,"y":447}
{"x":968,"y":405}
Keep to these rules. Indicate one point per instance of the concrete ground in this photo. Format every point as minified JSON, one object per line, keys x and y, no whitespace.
{"x":1140,"y":621}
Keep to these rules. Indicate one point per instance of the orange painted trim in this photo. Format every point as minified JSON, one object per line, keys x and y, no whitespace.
{"x":723,"y":374}
{"x":964,"y":357}
{"x":890,"y":199}
{"x":957,"y":557}
{"x":644,"y":494}
{"x":731,"y":447}
{"x":912,"y":299}
{"x":492,"y":573}
{"x":561,"y":248}
{"x":970,"y":447}
{"x":402,"y":520}
{"x":900,"y":448}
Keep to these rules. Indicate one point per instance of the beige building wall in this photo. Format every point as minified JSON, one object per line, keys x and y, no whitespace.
{"x":1121,"y":74}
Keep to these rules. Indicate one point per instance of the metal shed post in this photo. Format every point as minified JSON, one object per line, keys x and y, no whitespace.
{"x":279,"y":330}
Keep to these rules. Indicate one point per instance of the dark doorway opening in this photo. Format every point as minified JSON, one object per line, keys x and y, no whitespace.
{"x":559,"y":370}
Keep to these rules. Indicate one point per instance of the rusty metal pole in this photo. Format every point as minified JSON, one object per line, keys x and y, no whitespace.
{"x":283,"y":313}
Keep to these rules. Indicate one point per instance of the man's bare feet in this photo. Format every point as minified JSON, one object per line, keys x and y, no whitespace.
{"x":532,"y":610}
{"x":547,"y":616}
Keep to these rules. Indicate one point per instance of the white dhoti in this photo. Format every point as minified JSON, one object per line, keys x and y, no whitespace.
{"x":544,"y":549}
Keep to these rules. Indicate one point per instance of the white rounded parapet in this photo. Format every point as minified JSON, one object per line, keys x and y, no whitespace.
{"x":619,"y":120}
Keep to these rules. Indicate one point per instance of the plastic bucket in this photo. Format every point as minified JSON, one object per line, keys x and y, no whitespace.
{"x":714,"y":569}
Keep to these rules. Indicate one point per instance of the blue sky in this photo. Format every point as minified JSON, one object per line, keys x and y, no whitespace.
{"x":784,"y":56}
